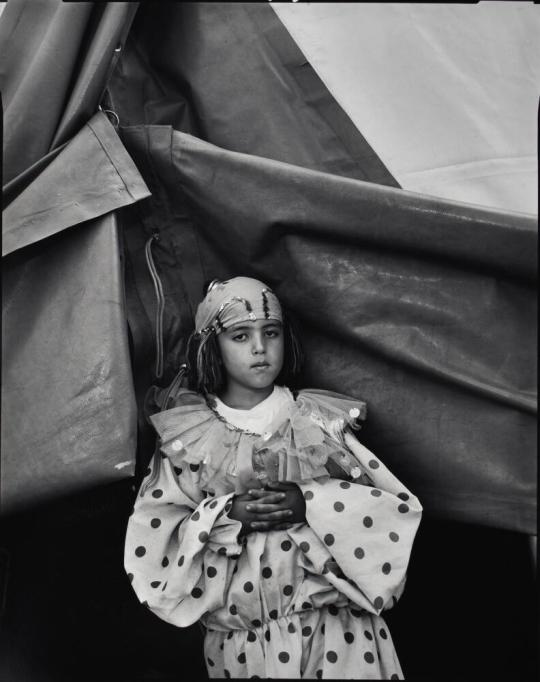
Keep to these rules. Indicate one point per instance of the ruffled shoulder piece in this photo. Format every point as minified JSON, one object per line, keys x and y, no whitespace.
{"x":306,"y":439}
{"x":191,"y":432}
{"x":189,"y":415}
{"x":332,"y":411}
{"x":310,"y":442}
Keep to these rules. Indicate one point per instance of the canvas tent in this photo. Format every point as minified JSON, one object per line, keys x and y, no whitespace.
{"x":148,"y":149}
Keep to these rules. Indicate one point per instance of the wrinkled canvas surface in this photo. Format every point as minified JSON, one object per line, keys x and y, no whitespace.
{"x":399,"y":301}
{"x":424,"y":308}
{"x":68,"y":410}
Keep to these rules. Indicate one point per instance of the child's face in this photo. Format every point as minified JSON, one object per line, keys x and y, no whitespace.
{"x":252,"y":353}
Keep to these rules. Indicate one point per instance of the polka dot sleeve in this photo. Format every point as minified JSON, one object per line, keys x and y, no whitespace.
{"x":178,"y":545}
{"x":360,"y":536}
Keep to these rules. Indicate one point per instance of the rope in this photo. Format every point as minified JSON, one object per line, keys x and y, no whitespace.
{"x":160,"y":305}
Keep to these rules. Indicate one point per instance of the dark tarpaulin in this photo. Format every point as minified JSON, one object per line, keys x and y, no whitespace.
{"x":401,"y":300}
{"x":55,"y":58}
{"x":230,"y":74}
{"x":68,"y":410}
{"x":66,"y":368}
{"x":400,"y":303}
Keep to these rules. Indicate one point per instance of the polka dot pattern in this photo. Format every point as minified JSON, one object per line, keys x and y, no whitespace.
{"x":344,"y":513}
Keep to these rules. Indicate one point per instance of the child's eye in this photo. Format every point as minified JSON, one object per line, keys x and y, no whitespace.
{"x":272,"y":333}
{"x":239,"y":337}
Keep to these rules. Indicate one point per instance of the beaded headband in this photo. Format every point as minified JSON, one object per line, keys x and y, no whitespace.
{"x":240,"y":299}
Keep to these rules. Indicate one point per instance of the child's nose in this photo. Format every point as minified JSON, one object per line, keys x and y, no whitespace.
{"x":258,"y":343}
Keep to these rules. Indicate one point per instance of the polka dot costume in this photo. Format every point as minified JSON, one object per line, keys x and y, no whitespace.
{"x":300,"y":603}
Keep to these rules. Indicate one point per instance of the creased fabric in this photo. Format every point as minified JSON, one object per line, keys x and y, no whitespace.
{"x":68,"y":409}
{"x":55,"y":59}
{"x":91,"y":176}
{"x":429,"y":306}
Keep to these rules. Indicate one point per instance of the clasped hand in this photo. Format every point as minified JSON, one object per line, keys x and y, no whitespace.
{"x":275,"y":507}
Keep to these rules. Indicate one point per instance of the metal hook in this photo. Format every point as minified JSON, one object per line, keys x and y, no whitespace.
{"x":112,"y":113}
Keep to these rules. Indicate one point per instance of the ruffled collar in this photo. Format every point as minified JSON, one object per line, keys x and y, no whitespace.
{"x":304,"y":440}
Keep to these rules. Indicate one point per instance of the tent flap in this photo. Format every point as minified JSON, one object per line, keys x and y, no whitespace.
{"x":68,"y":411}
{"x":91,"y":176}
{"x":54,"y":61}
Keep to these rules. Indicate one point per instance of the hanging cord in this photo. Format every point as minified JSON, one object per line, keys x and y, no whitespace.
{"x":160,"y":304}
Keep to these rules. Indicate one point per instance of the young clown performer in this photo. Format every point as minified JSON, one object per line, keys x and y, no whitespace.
{"x":262,"y":515}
